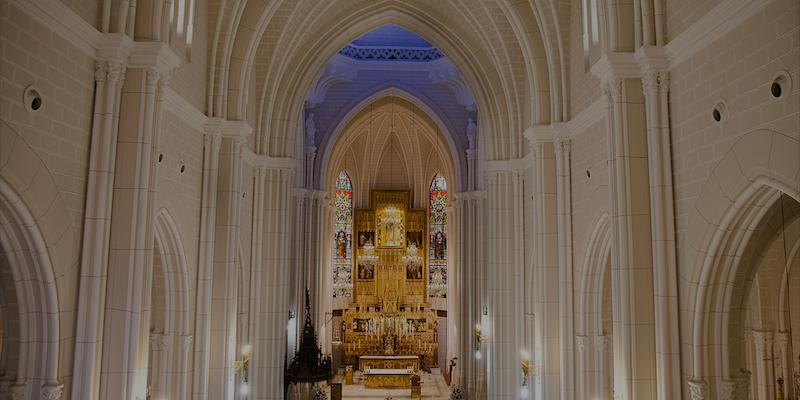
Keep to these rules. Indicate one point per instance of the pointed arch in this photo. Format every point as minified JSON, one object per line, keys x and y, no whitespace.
{"x":751,"y":177}
{"x":32,"y":289}
{"x":430,"y":110}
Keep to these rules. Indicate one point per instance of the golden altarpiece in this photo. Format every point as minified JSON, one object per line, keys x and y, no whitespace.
{"x":389,"y":316}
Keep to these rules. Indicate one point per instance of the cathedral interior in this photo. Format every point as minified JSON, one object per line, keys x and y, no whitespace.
{"x":400,"y":199}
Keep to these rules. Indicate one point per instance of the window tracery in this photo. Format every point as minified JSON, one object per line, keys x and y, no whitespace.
{"x":437,"y":246}
{"x":342,"y":236}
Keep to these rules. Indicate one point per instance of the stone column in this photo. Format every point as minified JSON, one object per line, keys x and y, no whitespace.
{"x":603,"y":375}
{"x":208,"y":216}
{"x":157,"y":371}
{"x":655,"y":84}
{"x":582,"y":370}
{"x":763,"y":364}
{"x":126,"y":323}
{"x":784,"y":362}
{"x":631,"y":253}
{"x":469,"y":284}
{"x":225,"y":282}
{"x":109,"y":76}
{"x":270,"y":298}
{"x":505,"y":282}
{"x":309,"y":224}
{"x":547,"y":354}
{"x":565,"y":272}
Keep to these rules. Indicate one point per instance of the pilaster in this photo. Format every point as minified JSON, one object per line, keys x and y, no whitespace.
{"x":226,"y":269}
{"x":270,"y":279}
{"x":109,"y":76}
{"x":546,"y":294}
{"x":208,"y":213}
{"x":655,"y":85}
{"x":635,"y":375}
{"x":117,"y":241}
{"x":307,"y":246}
{"x":565,"y":268}
{"x":764,"y":372}
{"x":470,"y":282}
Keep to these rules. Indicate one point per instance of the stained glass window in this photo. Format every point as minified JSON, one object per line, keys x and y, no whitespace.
{"x":437,"y":247}
{"x":342,"y":236}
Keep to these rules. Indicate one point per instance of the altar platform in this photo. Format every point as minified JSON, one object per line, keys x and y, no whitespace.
{"x":388,"y":362}
{"x":433,"y":388}
{"x":388,"y":378}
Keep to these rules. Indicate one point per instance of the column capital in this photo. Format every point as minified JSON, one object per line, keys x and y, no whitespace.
{"x":602,"y":342}
{"x":563,"y":145}
{"x":17,"y":391}
{"x":52,"y":391}
{"x":762,"y":340}
{"x":186,"y":341}
{"x":109,"y":71}
{"x":657,"y":81}
{"x":698,"y":389}
{"x":580,"y":342}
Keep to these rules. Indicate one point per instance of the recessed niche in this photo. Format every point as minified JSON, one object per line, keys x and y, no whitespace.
{"x":32,"y":99}
{"x":588,"y":173}
{"x":160,"y":157}
{"x":781,"y":84}
{"x":775,"y":89}
{"x":183,"y":168}
{"x":720,"y":111}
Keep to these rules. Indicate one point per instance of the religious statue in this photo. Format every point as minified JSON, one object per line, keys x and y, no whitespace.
{"x":472,"y":133}
{"x":391,"y":228}
{"x":311,"y":130}
{"x":341,"y":245}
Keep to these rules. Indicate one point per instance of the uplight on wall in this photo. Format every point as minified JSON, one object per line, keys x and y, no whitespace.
{"x":242,"y":367}
{"x":525,"y":362}
{"x":480,"y":336}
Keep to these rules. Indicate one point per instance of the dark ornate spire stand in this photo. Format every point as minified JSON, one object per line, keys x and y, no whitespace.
{"x":309,"y":364}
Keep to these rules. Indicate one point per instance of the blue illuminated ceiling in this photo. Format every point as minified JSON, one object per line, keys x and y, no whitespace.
{"x":391,"y":36}
{"x":385,"y":58}
{"x":391,"y":43}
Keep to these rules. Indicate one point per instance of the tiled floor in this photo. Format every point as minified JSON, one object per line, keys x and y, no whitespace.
{"x":433,"y":388}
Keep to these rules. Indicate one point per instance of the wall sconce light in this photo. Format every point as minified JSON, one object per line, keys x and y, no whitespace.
{"x":525,"y":361}
{"x":241,"y":367}
{"x":479,"y":336}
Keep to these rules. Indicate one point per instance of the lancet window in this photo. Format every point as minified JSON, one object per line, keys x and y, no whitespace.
{"x":342,"y":236}
{"x":437,"y":246}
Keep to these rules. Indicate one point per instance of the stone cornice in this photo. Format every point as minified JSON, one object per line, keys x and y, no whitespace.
{"x":616,"y":65}
{"x":472,"y":195}
{"x":231,"y":129}
{"x":266,"y":162}
{"x":513,"y":165}
{"x":720,"y":20}
{"x":309,"y":193}
{"x":594,"y":113}
{"x":176,"y":104}
{"x":153,"y":55}
{"x":64,"y":22}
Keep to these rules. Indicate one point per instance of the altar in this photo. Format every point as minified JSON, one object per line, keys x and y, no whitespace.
{"x":389,"y":323}
{"x":388,"y":378}
{"x":388,"y":362}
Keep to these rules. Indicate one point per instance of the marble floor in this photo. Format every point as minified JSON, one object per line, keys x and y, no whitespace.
{"x":433,"y":388}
